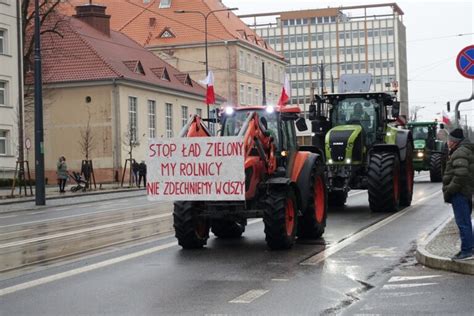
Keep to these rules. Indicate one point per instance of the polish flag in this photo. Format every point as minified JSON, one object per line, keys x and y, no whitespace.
{"x":209,"y":82}
{"x":446,"y":119}
{"x":285,"y":92}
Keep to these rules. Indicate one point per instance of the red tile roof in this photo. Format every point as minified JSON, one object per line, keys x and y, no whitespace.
{"x":83,"y":53}
{"x":145,"y":23}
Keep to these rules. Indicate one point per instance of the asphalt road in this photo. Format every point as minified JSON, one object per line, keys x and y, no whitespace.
{"x":364,"y":265}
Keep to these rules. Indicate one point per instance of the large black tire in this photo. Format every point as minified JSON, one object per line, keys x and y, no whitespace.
{"x":337,"y":198}
{"x":191,"y":231}
{"x":227,"y":229}
{"x":280,"y":218}
{"x":313,"y":221}
{"x":406,"y":178}
{"x":436,"y":167}
{"x":384,"y":182}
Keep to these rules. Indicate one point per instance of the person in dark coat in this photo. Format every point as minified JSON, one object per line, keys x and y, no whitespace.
{"x":458,"y":187}
{"x":142,"y":174}
{"x":135,"y":167}
{"x":62,"y":174}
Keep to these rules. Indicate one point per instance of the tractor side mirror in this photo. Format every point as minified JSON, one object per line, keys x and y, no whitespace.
{"x":301,"y":124}
{"x":312,"y":111}
{"x":396,"y":109}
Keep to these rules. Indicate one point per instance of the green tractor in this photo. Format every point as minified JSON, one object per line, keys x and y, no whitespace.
{"x":430,"y":153}
{"x":363,"y":150}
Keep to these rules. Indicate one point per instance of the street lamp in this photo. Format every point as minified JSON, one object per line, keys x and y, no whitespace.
{"x":205,"y":16}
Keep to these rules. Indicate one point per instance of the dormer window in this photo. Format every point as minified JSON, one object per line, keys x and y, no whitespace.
{"x":165,"y":4}
{"x":135,"y":66}
{"x":166,"y":33}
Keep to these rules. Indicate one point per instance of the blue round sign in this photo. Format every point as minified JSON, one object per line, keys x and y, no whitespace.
{"x":465,"y":62}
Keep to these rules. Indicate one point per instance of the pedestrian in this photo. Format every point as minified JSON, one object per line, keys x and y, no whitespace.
{"x":442,"y":134}
{"x":61,"y":172}
{"x":86,"y":172}
{"x":458,"y":187}
{"x":142,"y":174}
{"x":135,"y":168}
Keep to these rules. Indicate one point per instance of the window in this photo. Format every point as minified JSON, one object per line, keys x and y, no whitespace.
{"x":132,"y":118}
{"x":3,"y":93}
{"x":3,"y":42}
{"x":3,"y":143}
{"x":165,"y":4}
{"x":169,"y":120}
{"x":242,"y":94}
{"x":151,"y":118}
{"x":249,"y":63}
{"x":184,"y":115}
{"x":257,"y":96}
{"x":241,"y":60}
{"x":199,"y":112}
{"x":249,"y":95}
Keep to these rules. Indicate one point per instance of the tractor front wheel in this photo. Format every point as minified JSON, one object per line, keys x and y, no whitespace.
{"x":191,"y":230}
{"x":384,"y":182}
{"x":227,"y":229}
{"x":313,"y":222}
{"x":280,"y":218}
{"x":436,"y":167}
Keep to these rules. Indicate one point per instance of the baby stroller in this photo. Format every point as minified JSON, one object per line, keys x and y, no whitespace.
{"x":81,"y":183}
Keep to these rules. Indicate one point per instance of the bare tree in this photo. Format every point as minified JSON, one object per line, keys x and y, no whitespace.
{"x":129,"y":142}
{"x":87,"y":140}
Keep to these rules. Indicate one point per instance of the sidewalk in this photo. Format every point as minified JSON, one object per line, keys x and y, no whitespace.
{"x":436,"y":251}
{"x":52,"y":192}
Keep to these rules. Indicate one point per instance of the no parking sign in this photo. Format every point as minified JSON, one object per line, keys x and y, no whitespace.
{"x":465,"y":62}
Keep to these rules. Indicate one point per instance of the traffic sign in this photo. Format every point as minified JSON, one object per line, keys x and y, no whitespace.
{"x":465,"y":62}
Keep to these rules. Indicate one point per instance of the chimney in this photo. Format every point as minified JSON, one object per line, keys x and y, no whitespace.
{"x":95,"y":16}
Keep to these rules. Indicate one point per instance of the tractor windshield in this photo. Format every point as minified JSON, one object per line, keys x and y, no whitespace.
{"x":234,"y":122}
{"x":357,"y":111}
{"x":420,"y":132}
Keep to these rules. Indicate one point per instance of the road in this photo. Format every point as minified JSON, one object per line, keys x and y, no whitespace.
{"x":364,"y":265}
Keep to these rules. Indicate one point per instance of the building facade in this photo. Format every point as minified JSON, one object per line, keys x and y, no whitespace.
{"x":101,"y":83}
{"x":10,"y":71}
{"x":344,"y":40}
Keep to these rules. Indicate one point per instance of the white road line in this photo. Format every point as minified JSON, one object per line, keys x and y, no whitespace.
{"x":248,"y":297}
{"x":67,"y":274}
{"x":280,"y":280}
{"x":405,"y":285}
{"x":355,"y":193}
{"x":411,"y":278}
{"x":316,"y":259}
{"x":81,"y":231}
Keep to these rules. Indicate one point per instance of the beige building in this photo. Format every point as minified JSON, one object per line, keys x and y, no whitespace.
{"x":100,"y":78}
{"x":9,"y":88}
{"x":347,"y":40}
{"x":235,"y":52}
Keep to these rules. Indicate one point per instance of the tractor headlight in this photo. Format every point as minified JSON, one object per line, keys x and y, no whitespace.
{"x":330,"y":161}
{"x":389,"y":134}
{"x":229,"y":110}
{"x":270,"y":109}
{"x":284,"y":153}
{"x":348,"y":161}
{"x":420,"y":154}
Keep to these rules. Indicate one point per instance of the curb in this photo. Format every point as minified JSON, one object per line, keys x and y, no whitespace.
{"x":428,"y":259}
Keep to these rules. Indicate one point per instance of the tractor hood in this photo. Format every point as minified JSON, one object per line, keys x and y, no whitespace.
{"x":419,"y":143}
{"x":344,"y":145}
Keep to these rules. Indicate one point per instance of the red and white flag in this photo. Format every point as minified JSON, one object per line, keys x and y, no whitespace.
{"x":285,"y":92}
{"x":445,"y":118}
{"x":209,"y":81}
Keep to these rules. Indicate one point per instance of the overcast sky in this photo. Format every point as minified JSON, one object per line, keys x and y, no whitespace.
{"x":432,"y":46}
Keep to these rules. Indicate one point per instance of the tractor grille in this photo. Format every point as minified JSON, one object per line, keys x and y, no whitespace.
{"x":338,"y":144}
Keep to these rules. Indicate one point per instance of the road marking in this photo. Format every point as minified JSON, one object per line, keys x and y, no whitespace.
{"x":280,"y":280}
{"x":81,"y":231}
{"x":248,"y":297}
{"x":316,"y":259}
{"x":355,"y":193}
{"x":66,"y":274}
{"x":411,"y":278}
{"x":405,"y":285}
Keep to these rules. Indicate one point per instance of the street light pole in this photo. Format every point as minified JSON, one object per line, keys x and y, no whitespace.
{"x":39,"y":145}
{"x":206,"y":16}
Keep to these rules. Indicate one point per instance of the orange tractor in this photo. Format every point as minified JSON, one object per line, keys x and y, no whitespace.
{"x":284,"y":183}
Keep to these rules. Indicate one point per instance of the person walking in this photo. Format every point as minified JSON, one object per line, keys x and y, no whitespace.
{"x":61,"y":172}
{"x":142,"y":174}
{"x":458,"y":187}
{"x":135,"y":168}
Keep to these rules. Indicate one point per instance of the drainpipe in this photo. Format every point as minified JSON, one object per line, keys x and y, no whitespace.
{"x":117,"y":148}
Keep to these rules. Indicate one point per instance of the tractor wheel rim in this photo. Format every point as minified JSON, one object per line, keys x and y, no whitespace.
{"x":289,"y":217}
{"x":319,"y":201}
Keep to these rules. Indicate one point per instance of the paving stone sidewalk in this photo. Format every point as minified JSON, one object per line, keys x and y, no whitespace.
{"x":436,"y":251}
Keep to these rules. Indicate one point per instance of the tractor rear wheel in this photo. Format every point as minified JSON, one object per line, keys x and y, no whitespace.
{"x":313,"y":222}
{"x":337,"y":198}
{"x":227,"y":229}
{"x":407,"y":175}
{"x":190,"y":230}
{"x":384,"y":182}
{"x":280,"y":218}
{"x":436,"y":167}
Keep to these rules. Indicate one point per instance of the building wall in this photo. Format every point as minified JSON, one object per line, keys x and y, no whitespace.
{"x":8,"y":88}
{"x":233,"y":65}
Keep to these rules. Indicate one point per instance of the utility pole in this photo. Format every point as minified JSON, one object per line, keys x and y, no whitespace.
{"x":40,"y":197}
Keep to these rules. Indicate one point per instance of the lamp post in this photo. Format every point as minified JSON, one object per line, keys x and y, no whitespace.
{"x":205,"y":16}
